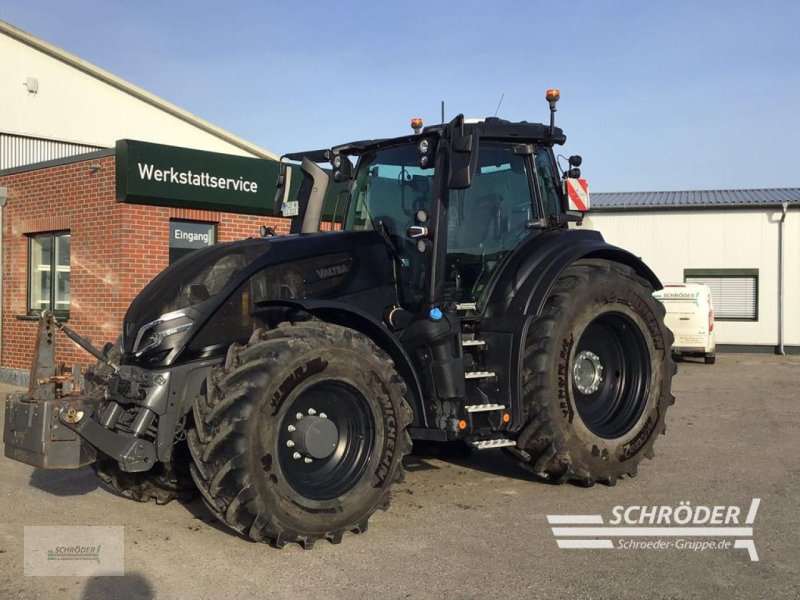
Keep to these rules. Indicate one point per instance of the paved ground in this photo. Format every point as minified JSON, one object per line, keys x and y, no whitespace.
{"x":472,"y":528}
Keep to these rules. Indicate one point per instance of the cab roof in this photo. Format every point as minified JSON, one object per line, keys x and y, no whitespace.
{"x":489,"y":128}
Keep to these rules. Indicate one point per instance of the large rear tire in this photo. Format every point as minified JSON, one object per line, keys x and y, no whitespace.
{"x":596,"y":376}
{"x":164,"y":482}
{"x":301,"y":434}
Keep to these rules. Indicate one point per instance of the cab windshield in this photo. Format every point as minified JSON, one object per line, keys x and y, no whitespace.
{"x":391,"y":187}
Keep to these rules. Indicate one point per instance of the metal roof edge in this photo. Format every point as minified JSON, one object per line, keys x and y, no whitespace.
{"x":130,"y":89}
{"x":706,"y":191}
{"x":652,"y":208}
{"x":7,"y":131}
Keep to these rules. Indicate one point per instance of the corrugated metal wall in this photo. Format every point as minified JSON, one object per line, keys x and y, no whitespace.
{"x":672,"y":242}
{"x":19,"y":150}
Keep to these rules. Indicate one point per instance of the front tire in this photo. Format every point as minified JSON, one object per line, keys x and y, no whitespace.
{"x":162,"y":484}
{"x":596,"y":376}
{"x":301,"y":434}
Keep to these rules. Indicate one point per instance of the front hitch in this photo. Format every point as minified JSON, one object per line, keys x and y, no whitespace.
{"x":33,"y":432}
{"x":51,"y":426}
{"x":133,"y":454}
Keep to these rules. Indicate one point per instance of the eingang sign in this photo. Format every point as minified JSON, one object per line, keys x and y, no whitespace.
{"x":187,"y":236}
{"x":148,"y":173}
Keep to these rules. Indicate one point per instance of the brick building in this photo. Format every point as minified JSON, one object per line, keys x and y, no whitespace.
{"x":66,"y":243}
{"x":69,"y":245}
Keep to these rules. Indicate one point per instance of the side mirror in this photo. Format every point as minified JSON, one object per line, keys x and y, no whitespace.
{"x":463,"y":155}
{"x":342,"y":168}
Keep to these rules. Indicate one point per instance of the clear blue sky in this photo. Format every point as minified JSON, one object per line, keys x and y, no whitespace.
{"x":655,"y":95}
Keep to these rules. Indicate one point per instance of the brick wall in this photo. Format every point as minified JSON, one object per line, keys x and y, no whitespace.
{"x":115,"y":250}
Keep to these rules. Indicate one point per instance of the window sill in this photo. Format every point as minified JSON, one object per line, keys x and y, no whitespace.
{"x":734,"y":320}
{"x":34,"y":317}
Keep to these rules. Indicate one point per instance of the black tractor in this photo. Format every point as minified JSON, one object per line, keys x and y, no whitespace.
{"x":285,"y":378}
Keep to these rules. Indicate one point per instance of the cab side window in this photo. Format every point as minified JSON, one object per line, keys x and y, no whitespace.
{"x":547,"y":181}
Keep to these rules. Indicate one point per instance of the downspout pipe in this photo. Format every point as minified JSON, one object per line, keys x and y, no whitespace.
{"x":3,"y":198}
{"x":785,"y":207}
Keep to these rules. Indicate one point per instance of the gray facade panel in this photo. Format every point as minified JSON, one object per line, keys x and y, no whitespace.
{"x":20,"y":150}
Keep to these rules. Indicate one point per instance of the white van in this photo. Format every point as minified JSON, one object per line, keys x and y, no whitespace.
{"x":690,"y":316}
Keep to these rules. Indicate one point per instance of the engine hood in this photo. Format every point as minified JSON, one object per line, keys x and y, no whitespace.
{"x":227,"y":282}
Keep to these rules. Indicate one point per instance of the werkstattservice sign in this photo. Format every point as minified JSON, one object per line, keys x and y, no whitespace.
{"x":161,"y":175}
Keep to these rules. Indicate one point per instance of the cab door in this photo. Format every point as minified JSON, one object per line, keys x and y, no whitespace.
{"x":487,"y":220}
{"x":389,"y":193}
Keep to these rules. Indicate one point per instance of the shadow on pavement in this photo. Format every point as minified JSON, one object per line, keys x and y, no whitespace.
{"x":494,"y":462}
{"x":65,"y":482}
{"x":132,"y":585}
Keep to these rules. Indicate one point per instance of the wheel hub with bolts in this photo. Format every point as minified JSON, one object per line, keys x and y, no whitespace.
{"x":587,"y":372}
{"x":312,"y":436}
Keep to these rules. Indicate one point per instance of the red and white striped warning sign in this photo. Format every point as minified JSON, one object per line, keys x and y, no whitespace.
{"x":578,"y":194}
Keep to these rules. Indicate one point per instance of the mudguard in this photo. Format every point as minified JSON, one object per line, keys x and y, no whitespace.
{"x":347,"y":315}
{"x":520,"y":291}
{"x":525,"y":281}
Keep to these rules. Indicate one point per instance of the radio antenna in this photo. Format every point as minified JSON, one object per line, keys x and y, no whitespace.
{"x":497,"y":110}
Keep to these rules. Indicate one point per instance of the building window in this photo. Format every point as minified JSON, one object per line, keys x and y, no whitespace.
{"x":187,"y":236}
{"x":48,"y":284}
{"x":734,"y":291}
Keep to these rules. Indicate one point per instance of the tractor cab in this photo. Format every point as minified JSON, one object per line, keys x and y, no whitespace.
{"x":452,"y":201}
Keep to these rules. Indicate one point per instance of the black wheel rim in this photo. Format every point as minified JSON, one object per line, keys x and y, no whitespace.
{"x":326,"y":440}
{"x":610,"y":375}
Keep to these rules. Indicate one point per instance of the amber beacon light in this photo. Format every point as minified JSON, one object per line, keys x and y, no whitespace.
{"x":552,"y":96}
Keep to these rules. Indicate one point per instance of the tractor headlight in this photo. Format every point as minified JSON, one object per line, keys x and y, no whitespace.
{"x":152,"y":334}
{"x":425,"y":148}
